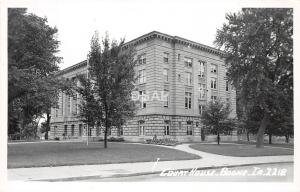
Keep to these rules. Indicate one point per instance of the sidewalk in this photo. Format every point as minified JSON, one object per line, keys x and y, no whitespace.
{"x":208,"y":160}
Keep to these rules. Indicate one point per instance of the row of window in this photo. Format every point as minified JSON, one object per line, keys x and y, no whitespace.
{"x":188,"y":79}
{"x":143,"y":104}
{"x":142,"y":96}
{"x":69,"y":109}
{"x":188,"y":76}
{"x":189,"y":128}
{"x":188,"y":62}
{"x":80,"y":130}
{"x":213,"y":81}
{"x":188,"y":101}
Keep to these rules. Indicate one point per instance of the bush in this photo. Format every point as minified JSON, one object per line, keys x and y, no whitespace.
{"x":101,"y":139}
{"x":56,"y":138}
{"x":114,"y":139}
{"x":164,"y":141}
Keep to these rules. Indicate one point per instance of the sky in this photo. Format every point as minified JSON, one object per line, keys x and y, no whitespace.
{"x":77,"y":21}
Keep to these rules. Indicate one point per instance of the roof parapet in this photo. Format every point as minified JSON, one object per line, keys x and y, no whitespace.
{"x":173,"y":39}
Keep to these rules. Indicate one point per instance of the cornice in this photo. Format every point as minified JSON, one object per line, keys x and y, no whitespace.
{"x":72,"y":68}
{"x":173,"y":39}
{"x":150,"y":36}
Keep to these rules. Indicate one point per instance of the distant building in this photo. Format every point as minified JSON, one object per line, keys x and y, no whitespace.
{"x":177,"y":78}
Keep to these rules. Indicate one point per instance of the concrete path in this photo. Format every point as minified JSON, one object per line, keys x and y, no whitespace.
{"x":115,"y":170}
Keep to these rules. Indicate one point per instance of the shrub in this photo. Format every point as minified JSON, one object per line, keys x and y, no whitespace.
{"x":114,"y":139}
{"x":164,"y":141}
{"x":56,"y":138}
{"x":101,"y":139}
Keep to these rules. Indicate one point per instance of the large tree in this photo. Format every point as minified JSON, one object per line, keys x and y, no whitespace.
{"x":259,"y":47}
{"x":112,"y":77}
{"x":32,"y":62}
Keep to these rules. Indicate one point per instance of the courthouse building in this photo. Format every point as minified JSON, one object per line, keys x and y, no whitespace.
{"x":178,"y":76}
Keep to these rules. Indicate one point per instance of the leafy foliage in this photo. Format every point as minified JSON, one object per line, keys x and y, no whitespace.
{"x":107,"y":93}
{"x":259,"y":47}
{"x":215,"y":116}
{"x":32,"y":63}
{"x":89,"y":106}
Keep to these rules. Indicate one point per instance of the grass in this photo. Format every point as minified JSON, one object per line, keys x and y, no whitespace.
{"x":241,"y":150}
{"x":284,"y":145}
{"x":44,"y":154}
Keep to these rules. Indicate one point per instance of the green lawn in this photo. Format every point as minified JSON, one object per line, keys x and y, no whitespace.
{"x":78,"y":153}
{"x":284,"y":145}
{"x":241,"y":150}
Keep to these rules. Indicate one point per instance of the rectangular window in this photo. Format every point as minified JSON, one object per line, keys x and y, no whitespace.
{"x":213,"y":98}
{"x":56,"y":112}
{"x":142,"y":96}
{"x":202,"y":68}
{"x":178,"y":57}
{"x":202,"y":91}
{"x":69,"y":105}
{"x":142,"y":59}
{"x":166,"y":57}
{"x":62,"y":104}
{"x":213,"y":83}
{"x":227,"y":86}
{"x":188,"y":62}
{"x":72,"y":130}
{"x":166,"y":75}
{"x":188,"y":78}
{"x":80,"y":129}
{"x":55,"y":128}
{"x":167,"y":128}
{"x":189,"y":128}
{"x":142,"y":76}
{"x":75,"y":103}
{"x":188,"y":100}
{"x":121,"y":131}
{"x":166,"y":98}
{"x":66,"y":130}
{"x":141,"y":128}
{"x":213,"y":68}
{"x":201,"y":108}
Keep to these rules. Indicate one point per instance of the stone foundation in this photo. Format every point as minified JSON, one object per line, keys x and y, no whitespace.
{"x":154,"y":125}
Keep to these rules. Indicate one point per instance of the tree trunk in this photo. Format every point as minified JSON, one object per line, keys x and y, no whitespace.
{"x":248,"y":138}
{"x":261,"y":131}
{"x":287,"y":138}
{"x":105,"y":136}
{"x":35,"y":130}
{"x":218,"y":138}
{"x":88,"y":133}
{"x":270,"y":138}
{"x":106,"y":129}
{"x":202,"y":135}
{"x":47,"y":125}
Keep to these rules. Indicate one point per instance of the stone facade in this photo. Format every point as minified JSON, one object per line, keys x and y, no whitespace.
{"x":176,"y":78}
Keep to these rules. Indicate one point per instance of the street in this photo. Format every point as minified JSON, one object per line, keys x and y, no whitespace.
{"x":282,"y":172}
